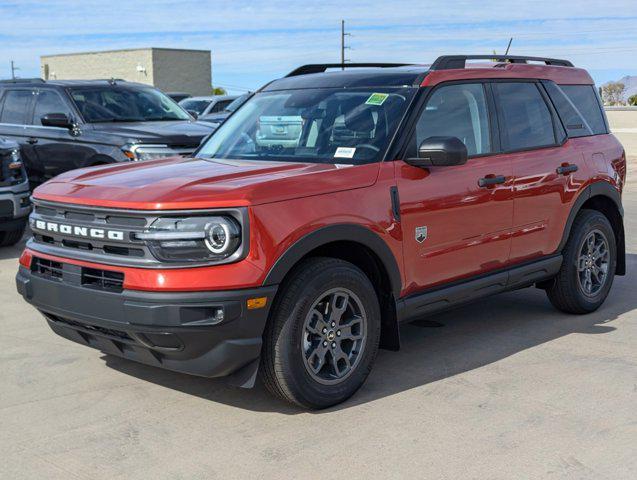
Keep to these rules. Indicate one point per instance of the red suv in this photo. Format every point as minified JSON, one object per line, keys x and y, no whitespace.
{"x":328,"y":209}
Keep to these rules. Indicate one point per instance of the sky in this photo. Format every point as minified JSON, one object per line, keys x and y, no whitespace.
{"x":255,"y":42}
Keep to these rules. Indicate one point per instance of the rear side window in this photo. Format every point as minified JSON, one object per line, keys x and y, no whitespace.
{"x":526,"y":121}
{"x":585,"y":100}
{"x":571,"y":117}
{"x":15,"y":106}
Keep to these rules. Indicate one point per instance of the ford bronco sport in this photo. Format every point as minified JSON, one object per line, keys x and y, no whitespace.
{"x":328,"y":209}
{"x":15,"y":204}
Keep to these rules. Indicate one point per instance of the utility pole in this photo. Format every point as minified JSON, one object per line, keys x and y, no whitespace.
{"x":343,"y":46}
{"x":13,"y":69}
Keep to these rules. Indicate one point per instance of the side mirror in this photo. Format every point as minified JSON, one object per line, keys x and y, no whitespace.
{"x":60,"y":120}
{"x":193,"y":114}
{"x":440,"y":152}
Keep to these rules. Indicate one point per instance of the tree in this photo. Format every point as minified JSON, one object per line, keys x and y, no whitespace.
{"x":612,"y":93}
{"x":632,"y":100}
{"x":219,"y":91}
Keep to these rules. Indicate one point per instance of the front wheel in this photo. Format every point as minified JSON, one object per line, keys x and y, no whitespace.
{"x":323,"y":335}
{"x":588,"y":269}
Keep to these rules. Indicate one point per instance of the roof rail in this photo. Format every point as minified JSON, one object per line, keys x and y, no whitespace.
{"x":449,"y":62}
{"x":23,"y":80}
{"x":321,"y":67}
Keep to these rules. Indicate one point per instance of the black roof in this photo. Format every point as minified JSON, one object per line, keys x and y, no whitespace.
{"x":408,"y":75}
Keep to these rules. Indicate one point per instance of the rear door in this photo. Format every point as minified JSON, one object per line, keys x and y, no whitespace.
{"x":544,"y":167}
{"x":452,"y":227}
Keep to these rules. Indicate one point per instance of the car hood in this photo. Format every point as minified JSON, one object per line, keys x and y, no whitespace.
{"x":172,"y":133}
{"x":179,"y":183}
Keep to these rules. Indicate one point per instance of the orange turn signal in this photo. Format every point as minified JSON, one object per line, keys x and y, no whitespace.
{"x":254,"y":303}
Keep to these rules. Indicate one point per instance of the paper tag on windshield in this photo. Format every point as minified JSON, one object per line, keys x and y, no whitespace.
{"x":377,"y":98}
{"x":344,"y":152}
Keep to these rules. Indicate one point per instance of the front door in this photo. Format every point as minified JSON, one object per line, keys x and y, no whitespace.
{"x":58,"y":149}
{"x":453,"y":227}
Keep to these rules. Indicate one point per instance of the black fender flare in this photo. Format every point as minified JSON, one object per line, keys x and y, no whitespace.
{"x":603,"y":189}
{"x":336,"y":233}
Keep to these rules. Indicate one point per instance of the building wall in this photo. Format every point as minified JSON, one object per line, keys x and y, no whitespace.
{"x":183,"y":71}
{"x":171,"y":70}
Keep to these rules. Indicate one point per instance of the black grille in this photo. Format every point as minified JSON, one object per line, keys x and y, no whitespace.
{"x":102,"y":279}
{"x":6,"y":208}
{"x":47,"y":268}
{"x":105,"y":280}
{"x":110,"y":332}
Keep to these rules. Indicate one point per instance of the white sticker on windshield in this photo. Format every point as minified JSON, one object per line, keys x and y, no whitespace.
{"x":345,"y":152}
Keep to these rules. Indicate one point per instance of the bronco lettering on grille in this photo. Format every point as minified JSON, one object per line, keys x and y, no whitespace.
{"x":78,"y":231}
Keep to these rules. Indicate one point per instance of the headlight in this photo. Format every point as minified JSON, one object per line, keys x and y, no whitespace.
{"x":14,"y":159}
{"x":141,"y":152}
{"x":193,"y":239}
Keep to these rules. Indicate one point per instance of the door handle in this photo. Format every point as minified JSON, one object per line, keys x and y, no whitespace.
{"x":566,"y":168}
{"x":32,"y":141}
{"x":490,"y":181}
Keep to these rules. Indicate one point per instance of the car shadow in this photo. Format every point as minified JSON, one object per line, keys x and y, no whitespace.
{"x":437,"y":347}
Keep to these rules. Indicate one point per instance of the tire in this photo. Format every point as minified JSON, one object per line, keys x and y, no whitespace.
{"x":11,"y":237}
{"x":294,"y":334}
{"x":571,"y":291}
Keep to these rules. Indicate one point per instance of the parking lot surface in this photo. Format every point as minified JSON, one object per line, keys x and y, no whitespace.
{"x":503,"y":388}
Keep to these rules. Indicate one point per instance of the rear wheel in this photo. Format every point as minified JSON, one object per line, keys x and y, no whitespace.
{"x":11,"y":237}
{"x":323,"y":335}
{"x":588,"y":270}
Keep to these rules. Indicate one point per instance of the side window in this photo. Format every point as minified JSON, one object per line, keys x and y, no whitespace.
{"x":16,"y":103}
{"x":457,"y":111}
{"x":573,"y":120}
{"x":585,"y":99}
{"x":48,"y":101}
{"x":526,"y":121}
{"x":219,"y":106}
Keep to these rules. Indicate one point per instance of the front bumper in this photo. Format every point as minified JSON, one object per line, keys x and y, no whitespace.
{"x":14,"y":206}
{"x":172,"y":330}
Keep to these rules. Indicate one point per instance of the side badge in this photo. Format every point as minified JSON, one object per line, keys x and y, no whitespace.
{"x":421,"y":234}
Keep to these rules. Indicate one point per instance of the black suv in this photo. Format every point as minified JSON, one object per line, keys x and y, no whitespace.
{"x":63,"y":125}
{"x":14,"y":194}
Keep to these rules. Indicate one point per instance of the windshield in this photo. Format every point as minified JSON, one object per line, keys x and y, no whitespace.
{"x":351,"y":126}
{"x":113,"y":104}
{"x":194,"y":105}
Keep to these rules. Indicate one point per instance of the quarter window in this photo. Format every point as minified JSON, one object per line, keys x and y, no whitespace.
{"x":47,"y":102}
{"x":585,"y":100}
{"x":15,"y":107}
{"x":526,"y":121}
{"x":456,"y":111}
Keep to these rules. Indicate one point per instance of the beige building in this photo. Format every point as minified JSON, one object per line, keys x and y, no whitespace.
{"x":169,"y":69}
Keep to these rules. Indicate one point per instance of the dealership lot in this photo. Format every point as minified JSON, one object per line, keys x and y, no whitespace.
{"x":503,"y":386}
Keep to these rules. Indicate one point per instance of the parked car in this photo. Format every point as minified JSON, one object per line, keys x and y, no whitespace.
{"x":218,"y":118}
{"x":178,"y":96}
{"x":205,"y":105}
{"x":14,"y":194}
{"x":63,"y":125}
{"x":393,"y":192}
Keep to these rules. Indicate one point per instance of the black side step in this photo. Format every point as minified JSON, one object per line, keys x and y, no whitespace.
{"x":418,"y":305}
